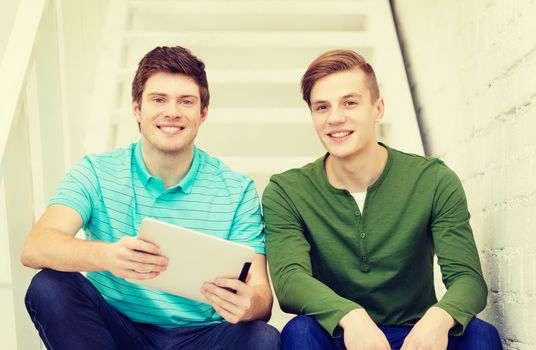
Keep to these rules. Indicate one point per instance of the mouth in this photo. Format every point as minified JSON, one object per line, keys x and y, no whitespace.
{"x":170,"y":129}
{"x":340,"y":134}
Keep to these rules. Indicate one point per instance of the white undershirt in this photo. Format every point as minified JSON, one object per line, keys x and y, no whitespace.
{"x":360,"y":199}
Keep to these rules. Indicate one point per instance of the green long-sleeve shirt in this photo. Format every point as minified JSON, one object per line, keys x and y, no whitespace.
{"x":327,"y":258}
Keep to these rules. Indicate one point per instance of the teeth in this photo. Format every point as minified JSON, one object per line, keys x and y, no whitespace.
{"x":340,"y":134}
{"x":170,"y":129}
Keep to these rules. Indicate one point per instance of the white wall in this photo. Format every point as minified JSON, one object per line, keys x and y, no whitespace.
{"x":473,"y":64}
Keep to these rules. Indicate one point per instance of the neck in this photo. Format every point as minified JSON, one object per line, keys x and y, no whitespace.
{"x":357,"y":173}
{"x":169,"y":167}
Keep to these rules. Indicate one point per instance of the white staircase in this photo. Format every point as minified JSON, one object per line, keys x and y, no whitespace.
{"x":255,"y":53}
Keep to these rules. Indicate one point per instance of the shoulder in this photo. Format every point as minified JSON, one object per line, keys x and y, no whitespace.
{"x":114,"y":160}
{"x":96,"y":167}
{"x":213,"y":171}
{"x":413,"y":160}
{"x":300,"y":180}
{"x":423,"y":167}
{"x":309,"y":171}
{"x":415,"y":164}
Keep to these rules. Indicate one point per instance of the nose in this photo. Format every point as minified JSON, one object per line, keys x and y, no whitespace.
{"x":173,"y":110}
{"x":336,"y":117}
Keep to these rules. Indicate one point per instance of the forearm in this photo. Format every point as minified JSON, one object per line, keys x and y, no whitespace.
{"x":51,"y":248}
{"x":301,"y":293}
{"x":464,"y":298}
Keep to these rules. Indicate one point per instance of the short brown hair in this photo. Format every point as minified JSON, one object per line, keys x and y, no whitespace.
{"x":171,"y":60}
{"x":337,"y":61}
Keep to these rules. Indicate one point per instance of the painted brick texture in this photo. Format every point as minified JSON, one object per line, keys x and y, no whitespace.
{"x":473,"y":71}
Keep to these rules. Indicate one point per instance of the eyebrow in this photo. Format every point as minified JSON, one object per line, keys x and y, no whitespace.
{"x":156,"y":93}
{"x":352,"y":94}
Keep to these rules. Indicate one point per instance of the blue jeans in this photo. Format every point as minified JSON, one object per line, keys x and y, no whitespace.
{"x":304,"y":332}
{"x":70,"y":313}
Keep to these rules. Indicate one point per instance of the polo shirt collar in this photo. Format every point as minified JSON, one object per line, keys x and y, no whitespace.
{"x":143,"y":173}
{"x":186,"y":182}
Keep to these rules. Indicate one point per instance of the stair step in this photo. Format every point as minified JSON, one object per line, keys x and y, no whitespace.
{"x":242,"y":39}
{"x":249,"y":16}
{"x":237,"y":76}
{"x":255,"y":56}
{"x":268,"y":140}
{"x":251,"y":7}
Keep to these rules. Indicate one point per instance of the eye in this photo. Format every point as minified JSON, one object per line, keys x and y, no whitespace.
{"x":320,"y":108}
{"x":350,"y":103}
{"x":187,"y":102}
{"x":158,"y":100}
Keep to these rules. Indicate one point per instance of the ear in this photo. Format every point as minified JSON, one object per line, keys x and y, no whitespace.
{"x":136,"y":110}
{"x":379,"y":107}
{"x":204,"y":114}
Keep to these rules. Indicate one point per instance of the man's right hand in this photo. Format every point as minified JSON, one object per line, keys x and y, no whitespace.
{"x":361,"y":333}
{"x":133,"y":258}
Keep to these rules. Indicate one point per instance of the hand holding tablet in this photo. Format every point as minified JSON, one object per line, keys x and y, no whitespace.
{"x":194,"y":258}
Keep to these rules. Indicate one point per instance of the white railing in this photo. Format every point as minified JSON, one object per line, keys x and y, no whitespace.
{"x":32,"y":150}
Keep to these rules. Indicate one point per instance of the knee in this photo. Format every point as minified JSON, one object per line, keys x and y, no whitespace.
{"x":484,"y":332}
{"x":264,"y":335}
{"x":267,"y":334}
{"x":45,"y":288}
{"x":301,"y":326}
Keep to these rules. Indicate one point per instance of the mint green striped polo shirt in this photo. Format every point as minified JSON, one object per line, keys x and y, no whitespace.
{"x":114,"y":191}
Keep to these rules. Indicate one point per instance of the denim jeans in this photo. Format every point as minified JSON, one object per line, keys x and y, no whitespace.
{"x":70,"y":313}
{"x":304,"y":332}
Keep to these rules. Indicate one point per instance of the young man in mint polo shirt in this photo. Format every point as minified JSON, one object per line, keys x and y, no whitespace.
{"x":163,"y":176}
{"x":351,"y":237}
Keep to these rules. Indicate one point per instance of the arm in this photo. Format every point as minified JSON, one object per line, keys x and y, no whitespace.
{"x":288,"y":253}
{"x":52,"y":244}
{"x":460,"y":266}
{"x":456,"y":250}
{"x":253,"y":299}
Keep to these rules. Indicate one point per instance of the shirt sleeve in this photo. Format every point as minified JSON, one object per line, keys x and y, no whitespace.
{"x":456,"y":251}
{"x":248,"y":227}
{"x":78,"y":189}
{"x":287,"y":248}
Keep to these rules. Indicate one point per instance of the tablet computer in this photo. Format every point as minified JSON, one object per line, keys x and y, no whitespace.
{"x":194,"y":258}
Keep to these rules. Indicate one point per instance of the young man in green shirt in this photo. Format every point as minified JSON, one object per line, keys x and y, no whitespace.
{"x":351,"y":237}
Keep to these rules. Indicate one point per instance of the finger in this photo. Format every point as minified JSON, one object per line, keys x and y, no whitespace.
{"x":223,"y":305}
{"x":141,"y":245}
{"x":131,"y":274}
{"x":144,"y":268}
{"x":147,"y":258}
{"x":229,"y":317}
{"x":221,"y":293}
{"x":230,"y":283}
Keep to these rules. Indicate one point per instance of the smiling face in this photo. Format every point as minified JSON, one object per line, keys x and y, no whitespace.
{"x":169,"y":113}
{"x":344,"y":114}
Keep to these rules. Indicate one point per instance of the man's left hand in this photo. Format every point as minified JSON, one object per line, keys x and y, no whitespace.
{"x":233,"y":307}
{"x":431,"y":332}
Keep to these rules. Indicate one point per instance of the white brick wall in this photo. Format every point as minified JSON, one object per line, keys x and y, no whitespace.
{"x":473,"y":66}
